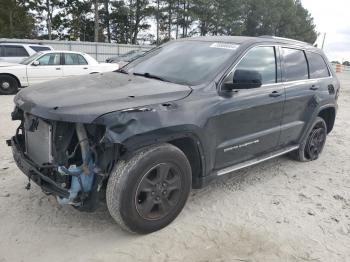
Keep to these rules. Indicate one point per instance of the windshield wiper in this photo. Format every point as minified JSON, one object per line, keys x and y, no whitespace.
{"x":148,"y":75}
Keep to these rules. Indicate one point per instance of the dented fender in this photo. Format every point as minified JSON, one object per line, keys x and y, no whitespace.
{"x":138,"y":127}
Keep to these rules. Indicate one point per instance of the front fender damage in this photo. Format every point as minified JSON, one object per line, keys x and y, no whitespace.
{"x":138,"y":127}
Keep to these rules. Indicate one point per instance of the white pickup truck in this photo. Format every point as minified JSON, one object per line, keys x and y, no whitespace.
{"x":48,"y":65}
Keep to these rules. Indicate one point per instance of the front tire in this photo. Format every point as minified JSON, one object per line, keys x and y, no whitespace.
{"x":312,"y":146}
{"x":8,"y":85}
{"x":146,"y":192}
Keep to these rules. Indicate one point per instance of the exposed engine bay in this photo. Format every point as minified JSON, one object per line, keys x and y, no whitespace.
{"x":73,"y":156}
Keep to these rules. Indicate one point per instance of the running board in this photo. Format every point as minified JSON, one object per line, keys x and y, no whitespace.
{"x":255,"y":161}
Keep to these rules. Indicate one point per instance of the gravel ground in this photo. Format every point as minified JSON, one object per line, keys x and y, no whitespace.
{"x":279,"y":210}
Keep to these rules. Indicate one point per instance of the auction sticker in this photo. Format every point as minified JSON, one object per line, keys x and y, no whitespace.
{"x":224,"y":46}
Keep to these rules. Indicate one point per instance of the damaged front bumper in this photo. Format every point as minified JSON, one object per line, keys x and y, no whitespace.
{"x":67,"y":160}
{"x":34,"y":172}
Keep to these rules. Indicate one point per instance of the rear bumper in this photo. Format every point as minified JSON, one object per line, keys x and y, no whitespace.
{"x":33,"y":172}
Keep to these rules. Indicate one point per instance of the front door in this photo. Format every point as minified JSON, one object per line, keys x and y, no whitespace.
{"x":45,"y":68}
{"x":249,"y":121}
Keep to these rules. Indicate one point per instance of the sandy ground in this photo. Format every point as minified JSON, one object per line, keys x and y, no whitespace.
{"x":279,"y":210}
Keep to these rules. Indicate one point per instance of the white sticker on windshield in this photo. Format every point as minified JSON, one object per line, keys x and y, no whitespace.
{"x":224,"y":45}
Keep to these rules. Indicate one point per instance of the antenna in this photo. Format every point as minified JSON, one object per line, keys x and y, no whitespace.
{"x":324,"y":39}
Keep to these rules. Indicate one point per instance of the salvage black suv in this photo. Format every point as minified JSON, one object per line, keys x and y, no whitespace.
{"x":180,"y":116}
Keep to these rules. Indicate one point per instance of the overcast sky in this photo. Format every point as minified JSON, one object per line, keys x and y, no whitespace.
{"x":332,"y":17}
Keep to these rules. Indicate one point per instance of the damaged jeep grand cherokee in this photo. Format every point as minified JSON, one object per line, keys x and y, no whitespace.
{"x":180,"y":116}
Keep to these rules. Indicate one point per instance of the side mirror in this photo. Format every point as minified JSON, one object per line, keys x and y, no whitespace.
{"x":36,"y":63}
{"x":244,"y":79}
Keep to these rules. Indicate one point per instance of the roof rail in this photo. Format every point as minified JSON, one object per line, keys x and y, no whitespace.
{"x":284,"y":38}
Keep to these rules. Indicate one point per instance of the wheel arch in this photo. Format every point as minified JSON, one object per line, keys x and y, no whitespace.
{"x":328,"y":114}
{"x":191,"y":148}
{"x":189,"y":143}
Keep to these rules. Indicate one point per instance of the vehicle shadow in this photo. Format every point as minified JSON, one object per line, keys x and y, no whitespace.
{"x":101,"y":220}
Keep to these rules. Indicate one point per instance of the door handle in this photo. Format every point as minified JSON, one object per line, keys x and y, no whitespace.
{"x":58,"y":68}
{"x":275,"y":94}
{"x":314,"y":87}
{"x":85,"y":68}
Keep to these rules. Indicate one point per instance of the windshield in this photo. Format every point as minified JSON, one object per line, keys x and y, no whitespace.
{"x":128,"y":53}
{"x":134,"y":56}
{"x":31,"y":58}
{"x":184,"y":62}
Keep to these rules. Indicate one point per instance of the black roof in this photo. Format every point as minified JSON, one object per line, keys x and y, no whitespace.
{"x":244,"y":39}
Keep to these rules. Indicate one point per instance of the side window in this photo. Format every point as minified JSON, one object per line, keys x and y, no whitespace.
{"x":14,"y":51}
{"x":317,"y":66}
{"x":39,"y":48}
{"x":74,"y":59}
{"x":50,"y":59}
{"x":259,"y":63}
{"x":295,"y":64}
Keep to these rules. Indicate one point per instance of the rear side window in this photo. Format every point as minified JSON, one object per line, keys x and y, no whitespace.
{"x":295,"y":64}
{"x":74,"y":59}
{"x":14,"y":51}
{"x":317,"y":66}
{"x":39,"y":48}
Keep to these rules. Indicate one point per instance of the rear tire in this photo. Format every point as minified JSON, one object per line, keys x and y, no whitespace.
{"x":8,"y":85}
{"x":146,"y":192}
{"x":312,"y":146}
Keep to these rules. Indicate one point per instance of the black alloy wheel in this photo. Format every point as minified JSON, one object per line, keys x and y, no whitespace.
{"x":158,"y":191}
{"x":148,"y":190}
{"x":312,"y":145}
{"x":316,"y":142}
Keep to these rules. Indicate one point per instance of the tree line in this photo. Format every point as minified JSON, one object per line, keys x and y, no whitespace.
{"x":153,"y":21}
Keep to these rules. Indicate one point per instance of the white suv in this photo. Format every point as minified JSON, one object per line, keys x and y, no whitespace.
{"x":16,"y":52}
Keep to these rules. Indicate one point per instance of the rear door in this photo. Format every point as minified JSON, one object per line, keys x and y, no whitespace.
{"x":319,"y":70}
{"x":13,"y":53}
{"x":75,"y":64}
{"x":49,"y":68}
{"x":301,"y":95}
{"x":248,"y":124}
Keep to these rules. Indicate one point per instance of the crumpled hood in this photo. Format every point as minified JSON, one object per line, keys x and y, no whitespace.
{"x":84,"y":98}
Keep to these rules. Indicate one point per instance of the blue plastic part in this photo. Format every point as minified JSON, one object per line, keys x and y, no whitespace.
{"x":76,"y":172}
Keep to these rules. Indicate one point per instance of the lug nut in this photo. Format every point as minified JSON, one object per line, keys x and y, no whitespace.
{"x":152,"y":193}
{"x":164,"y":184}
{"x":157,"y":198}
{"x":164,"y":192}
